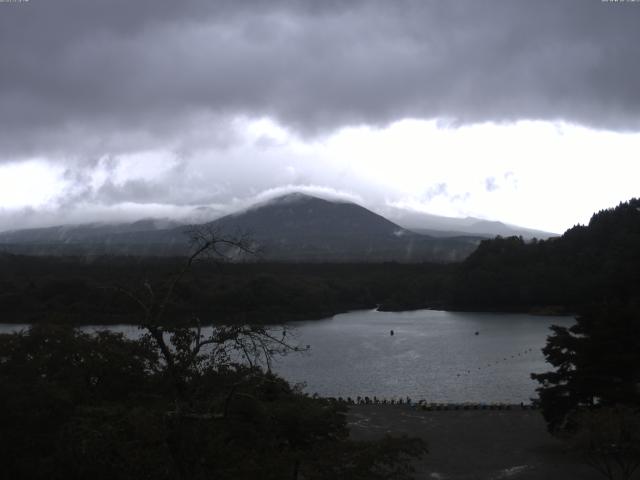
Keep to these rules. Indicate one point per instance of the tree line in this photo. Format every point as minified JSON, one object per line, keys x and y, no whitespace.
{"x":173,"y":404}
{"x":79,"y":290}
{"x":596,"y":262}
{"x":558,"y":275}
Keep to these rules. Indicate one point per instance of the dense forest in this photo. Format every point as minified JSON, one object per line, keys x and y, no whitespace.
{"x":587,"y":264}
{"x":591,"y":398}
{"x":78,"y":406}
{"x":80,"y":290}
{"x":558,"y":275}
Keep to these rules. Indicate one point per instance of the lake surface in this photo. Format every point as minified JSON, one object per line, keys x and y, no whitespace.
{"x":433,"y":355}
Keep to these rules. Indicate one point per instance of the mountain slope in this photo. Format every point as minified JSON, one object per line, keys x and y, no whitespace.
{"x":301,"y":227}
{"x":436,"y":225}
{"x":294,"y":227}
{"x":143,"y":237}
{"x":91,"y":232}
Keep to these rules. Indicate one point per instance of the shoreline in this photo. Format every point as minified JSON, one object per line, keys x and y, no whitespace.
{"x":541,"y":311}
{"x":261,"y":318}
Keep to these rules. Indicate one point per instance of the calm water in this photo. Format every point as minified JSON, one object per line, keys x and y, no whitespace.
{"x":433,"y":355}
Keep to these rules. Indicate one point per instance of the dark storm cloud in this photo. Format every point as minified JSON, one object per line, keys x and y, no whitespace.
{"x":86,"y":79}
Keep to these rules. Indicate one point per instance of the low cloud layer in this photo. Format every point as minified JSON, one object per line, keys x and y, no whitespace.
{"x":152,"y":107}
{"x":81,"y":79}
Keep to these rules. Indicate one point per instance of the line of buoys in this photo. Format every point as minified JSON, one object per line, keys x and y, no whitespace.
{"x":498,"y":362}
{"x":431,"y":406}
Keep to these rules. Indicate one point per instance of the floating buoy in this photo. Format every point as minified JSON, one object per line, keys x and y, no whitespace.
{"x":391,"y":333}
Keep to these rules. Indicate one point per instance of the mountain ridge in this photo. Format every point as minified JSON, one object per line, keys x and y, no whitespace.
{"x":293,"y":227}
{"x":440,"y":225}
{"x":303,"y":227}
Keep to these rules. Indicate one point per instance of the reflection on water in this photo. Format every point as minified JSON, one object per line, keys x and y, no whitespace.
{"x":432,"y":355}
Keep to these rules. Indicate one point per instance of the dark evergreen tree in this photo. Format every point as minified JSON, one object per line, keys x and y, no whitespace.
{"x":597,"y":363}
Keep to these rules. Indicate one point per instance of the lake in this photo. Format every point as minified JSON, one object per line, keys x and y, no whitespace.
{"x":433,"y":355}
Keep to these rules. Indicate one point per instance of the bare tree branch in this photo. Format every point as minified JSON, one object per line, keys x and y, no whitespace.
{"x":185,"y":347}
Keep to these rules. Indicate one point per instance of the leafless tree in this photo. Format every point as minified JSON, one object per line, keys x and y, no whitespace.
{"x":185,"y":348}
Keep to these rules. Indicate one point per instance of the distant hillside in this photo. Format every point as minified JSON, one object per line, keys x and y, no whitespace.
{"x":439,"y":226}
{"x":590,"y":263}
{"x":147,"y":236}
{"x":90,"y":232}
{"x":294,"y":227}
{"x":493,"y":228}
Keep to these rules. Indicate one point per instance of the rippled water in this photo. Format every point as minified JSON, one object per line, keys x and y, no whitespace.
{"x":433,"y":355}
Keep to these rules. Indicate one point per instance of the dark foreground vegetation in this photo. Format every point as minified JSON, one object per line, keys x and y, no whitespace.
{"x":79,"y":406}
{"x":592,"y":397}
{"x":75,"y":406}
{"x":173,"y":404}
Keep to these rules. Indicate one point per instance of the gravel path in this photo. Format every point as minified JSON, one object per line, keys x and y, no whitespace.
{"x":475,"y":444}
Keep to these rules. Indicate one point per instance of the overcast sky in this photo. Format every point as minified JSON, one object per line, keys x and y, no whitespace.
{"x":522,"y":111}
